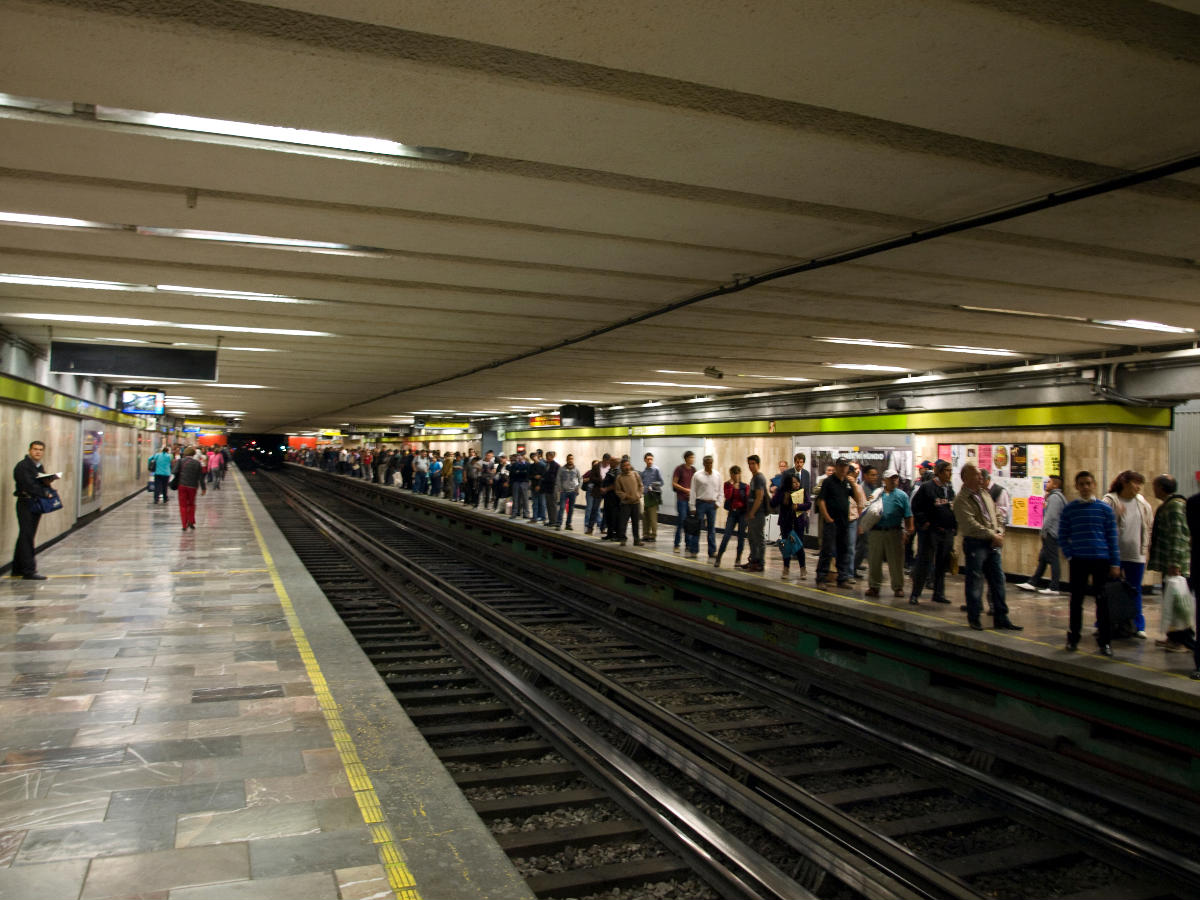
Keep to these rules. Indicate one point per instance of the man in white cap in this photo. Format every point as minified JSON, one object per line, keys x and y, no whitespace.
{"x":887,"y":537}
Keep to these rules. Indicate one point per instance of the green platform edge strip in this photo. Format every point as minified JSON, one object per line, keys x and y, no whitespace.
{"x":1073,"y":416}
{"x":45,"y":398}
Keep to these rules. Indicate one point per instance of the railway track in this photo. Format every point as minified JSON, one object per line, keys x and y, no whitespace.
{"x":833,"y":799}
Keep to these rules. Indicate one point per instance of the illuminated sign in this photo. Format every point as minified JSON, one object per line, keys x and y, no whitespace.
{"x":461,"y":426}
{"x":548,"y":421}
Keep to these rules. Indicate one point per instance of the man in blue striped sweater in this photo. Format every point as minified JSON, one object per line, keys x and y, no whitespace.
{"x":1087,"y":534}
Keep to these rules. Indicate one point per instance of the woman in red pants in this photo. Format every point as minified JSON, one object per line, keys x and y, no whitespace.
{"x":190,"y":472}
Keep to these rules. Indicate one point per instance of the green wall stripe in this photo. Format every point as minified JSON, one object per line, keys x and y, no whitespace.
{"x":1074,"y":416}
{"x":36,"y":395}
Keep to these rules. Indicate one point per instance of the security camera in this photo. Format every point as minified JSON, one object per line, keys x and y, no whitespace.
{"x":714,"y":372}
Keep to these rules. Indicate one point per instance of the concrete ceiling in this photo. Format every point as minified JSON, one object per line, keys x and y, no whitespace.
{"x":622,"y":157}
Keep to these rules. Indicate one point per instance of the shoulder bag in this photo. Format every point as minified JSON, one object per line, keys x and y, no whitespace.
{"x":47,"y":504}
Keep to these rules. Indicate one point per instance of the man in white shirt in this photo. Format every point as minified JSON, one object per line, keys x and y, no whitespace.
{"x":707,"y":487}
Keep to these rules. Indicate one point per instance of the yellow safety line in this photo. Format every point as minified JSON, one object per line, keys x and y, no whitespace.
{"x":399,"y":877}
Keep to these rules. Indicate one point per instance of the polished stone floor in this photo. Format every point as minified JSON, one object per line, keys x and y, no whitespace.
{"x":160,"y":735}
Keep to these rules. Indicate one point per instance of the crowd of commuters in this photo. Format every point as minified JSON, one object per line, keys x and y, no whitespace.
{"x":865,"y":519}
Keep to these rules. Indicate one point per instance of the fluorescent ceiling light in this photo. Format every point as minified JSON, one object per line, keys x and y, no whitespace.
{"x":699,"y":400}
{"x":522,"y":398}
{"x":105,"y":340}
{"x":233,"y":295}
{"x":55,"y":281}
{"x":294,"y":332}
{"x":249,"y":387}
{"x":1021,"y":312}
{"x":432,"y":411}
{"x":276,"y":133}
{"x":63,"y":107}
{"x":154,"y":323}
{"x":232,"y":237}
{"x":616,"y":407}
{"x":867,"y":367}
{"x":230,"y":412}
{"x":215,"y":347}
{"x":653,"y":403}
{"x":978,"y":351}
{"x":775,"y":377}
{"x":711,"y":387}
{"x":251,"y":349}
{"x":676,"y":372}
{"x":1143,"y":325}
{"x":865,"y":342}
{"x":51,"y":221}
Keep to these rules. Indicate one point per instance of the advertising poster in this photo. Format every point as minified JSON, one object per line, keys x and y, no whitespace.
{"x":90,"y":469}
{"x":1021,"y":469}
{"x":943,"y":451}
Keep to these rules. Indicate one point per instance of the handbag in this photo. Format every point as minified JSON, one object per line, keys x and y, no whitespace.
{"x":173,"y":484}
{"x":792,"y":545}
{"x":691,"y":525}
{"x":47,"y":504}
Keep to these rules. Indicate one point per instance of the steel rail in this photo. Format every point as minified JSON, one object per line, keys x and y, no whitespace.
{"x":1136,"y":851}
{"x":834,"y":841}
{"x":675,"y":821}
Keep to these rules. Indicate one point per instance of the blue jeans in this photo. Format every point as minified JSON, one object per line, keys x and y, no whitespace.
{"x":436,"y":481}
{"x":591,"y":512}
{"x":539,"y":506}
{"x":681,"y":511}
{"x":735,"y":522}
{"x":984,"y":563}
{"x":706,"y":511}
{"x":421,"y":483}
{"x":520,"y":499}
{"x":1134,"y":573}
{"x":566,"y":502}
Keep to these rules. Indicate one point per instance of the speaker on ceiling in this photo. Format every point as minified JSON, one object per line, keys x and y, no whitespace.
{"x":896,"y":403}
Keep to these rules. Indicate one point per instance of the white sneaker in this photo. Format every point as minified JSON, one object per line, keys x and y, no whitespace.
{"x":1141,"y":634}
{"x":1027,"y":586}
{"x":1046,"y":590}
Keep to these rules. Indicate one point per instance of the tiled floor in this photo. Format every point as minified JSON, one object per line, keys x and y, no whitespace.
{"x":161,"y":736}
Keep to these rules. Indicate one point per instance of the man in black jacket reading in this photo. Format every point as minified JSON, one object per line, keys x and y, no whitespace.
{"x":32,"y":482}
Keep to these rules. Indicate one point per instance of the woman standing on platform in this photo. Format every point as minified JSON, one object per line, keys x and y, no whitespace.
{"x":737,"y":504}
{"x":789,"y":519}
{"x":190,"y":474}
{"x":1133,"y":534}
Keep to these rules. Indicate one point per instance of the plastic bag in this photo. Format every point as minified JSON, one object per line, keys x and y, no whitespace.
{"x":1178,"y":605}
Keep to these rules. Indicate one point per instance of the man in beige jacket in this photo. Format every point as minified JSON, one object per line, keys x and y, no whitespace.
{"x":628,"y":487}
{"x":982,"y":536}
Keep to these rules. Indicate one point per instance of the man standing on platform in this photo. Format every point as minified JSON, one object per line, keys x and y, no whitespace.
{"x":838,"y":491}
{"x":1048,"y":557}
{"x":757,"y":515}
{"x":1193,"y":523}
{"x":550,"y":489}
{"x":936,"y":527}
{"x":1087,"y":533}
{"x":652,"y":490}
{"x":628,"y":488}
{"x":31,"y":483}
{"x":707,"y":488}
{"x":518,"y":479}
{"x":681,"y":482}
{"x":983,"y":536}
{"x":887,"y":537}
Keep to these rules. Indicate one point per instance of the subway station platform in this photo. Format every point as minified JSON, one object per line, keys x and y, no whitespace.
{"x":184,"y":716}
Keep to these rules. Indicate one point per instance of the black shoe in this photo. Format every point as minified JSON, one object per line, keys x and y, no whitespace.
{"x":913,"y":601}
{"x":34,"y":576}
{"x":1072,"y":646}
{"x":1006,"y":625}
{"x":963,"y":608}
{"x":940,"y":600}
{"x":192,"y":526}
{"x":1195,"y":676}
{"x":1106,"y":650}
{"x":976,"y":625}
